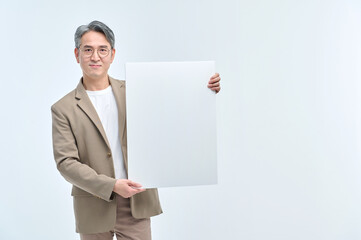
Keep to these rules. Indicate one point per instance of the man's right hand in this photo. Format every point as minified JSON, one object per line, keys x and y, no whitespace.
{"x":127,"y":188}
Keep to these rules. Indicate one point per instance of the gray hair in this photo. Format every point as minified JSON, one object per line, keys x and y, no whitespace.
{"x":95,"y":26}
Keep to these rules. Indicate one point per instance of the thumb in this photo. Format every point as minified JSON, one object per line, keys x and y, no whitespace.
{"x":134,"y":184}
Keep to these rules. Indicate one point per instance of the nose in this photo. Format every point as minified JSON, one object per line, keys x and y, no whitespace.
{"x":95,"y":57}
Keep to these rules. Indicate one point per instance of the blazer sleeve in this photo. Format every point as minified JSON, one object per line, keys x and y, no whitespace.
{"x":67,"y":160}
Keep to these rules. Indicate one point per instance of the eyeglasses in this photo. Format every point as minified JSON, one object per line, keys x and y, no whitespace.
{"x":88,"y":52}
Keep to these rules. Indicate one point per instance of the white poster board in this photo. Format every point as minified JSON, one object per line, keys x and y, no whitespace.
{"x":171,"y":124}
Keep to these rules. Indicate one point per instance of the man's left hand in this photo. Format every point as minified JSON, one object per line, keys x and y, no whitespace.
{"x":214,"y":84}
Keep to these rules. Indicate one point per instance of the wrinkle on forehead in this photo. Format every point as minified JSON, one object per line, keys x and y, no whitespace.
{"x":94,"y":40}
{"x":101,"y":46}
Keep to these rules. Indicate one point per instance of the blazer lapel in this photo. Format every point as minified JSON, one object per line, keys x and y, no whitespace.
{"x":118,"y":90}
{"x":119,"y":93}
{"x":86,"y":105}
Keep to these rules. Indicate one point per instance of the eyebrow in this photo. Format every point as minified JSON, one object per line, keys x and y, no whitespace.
{"x":101,"y":46}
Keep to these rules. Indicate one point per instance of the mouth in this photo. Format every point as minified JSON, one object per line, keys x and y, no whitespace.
{"x":95,"y":65}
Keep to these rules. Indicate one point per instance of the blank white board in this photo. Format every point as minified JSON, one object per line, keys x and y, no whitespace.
{"x":171,"y":124}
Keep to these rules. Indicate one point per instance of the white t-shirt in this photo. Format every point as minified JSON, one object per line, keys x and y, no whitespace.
{"x":106,"y":107}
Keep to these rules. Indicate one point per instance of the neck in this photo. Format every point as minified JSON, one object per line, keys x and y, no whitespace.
{"x":95,"y":84}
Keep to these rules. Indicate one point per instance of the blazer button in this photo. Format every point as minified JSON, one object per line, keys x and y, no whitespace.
{"x":109,"y":154}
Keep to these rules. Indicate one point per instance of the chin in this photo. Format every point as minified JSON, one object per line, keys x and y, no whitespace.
{"x":95,"y":74}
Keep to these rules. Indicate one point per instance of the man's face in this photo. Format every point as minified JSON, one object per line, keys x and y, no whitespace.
{"x":94,"y":66}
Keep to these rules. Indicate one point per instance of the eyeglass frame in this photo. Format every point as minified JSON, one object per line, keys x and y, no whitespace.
{"x":97,"y":50}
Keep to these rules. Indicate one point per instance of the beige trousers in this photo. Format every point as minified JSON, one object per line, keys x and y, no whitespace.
{"x":126,"y":227}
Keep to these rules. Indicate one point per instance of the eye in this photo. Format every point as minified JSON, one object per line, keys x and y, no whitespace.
{"x":103,"y":50}
{"x":88,"y":50}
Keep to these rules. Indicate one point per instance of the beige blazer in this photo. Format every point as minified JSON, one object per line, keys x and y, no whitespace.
{"x":83,"y":157}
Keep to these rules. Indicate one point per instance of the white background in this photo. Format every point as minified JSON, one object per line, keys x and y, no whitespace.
{"x":289,"y":113}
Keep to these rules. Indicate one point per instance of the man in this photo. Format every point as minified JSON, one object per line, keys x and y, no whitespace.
{"x":90,"y":145}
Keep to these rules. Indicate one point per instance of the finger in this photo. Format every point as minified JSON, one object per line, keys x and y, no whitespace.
{"x":214,"y":80}
{"x":216,"y":89}
{"x":213,"y":88}
{"x":213,"y":84}
{"x":215,"y":75}
{"x":135,"y":191}
{"x":134,"y":184}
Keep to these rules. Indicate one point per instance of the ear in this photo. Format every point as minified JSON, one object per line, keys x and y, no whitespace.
{"x":76,"y":52}
{"x":113,"y":55}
